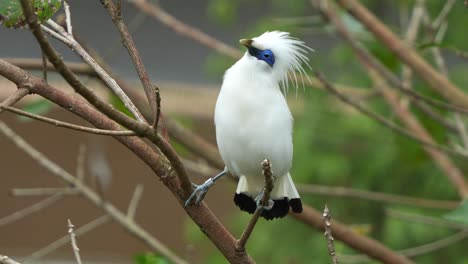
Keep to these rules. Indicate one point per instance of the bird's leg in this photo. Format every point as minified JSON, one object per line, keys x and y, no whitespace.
{"x":201,"y":190}
{"x":259,"y":200}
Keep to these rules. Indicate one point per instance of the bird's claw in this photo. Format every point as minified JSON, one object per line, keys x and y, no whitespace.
{"x":259,"y":200}
{"x":199,"y":192}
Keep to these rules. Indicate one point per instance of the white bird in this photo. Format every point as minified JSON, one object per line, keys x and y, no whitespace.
{"x":253,"y":122}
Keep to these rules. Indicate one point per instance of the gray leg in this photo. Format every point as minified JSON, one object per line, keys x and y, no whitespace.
{"x":259,"y":199}
{"x":201,"y":190}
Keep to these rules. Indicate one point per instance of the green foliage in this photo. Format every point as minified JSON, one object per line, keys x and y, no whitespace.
{"x":223,"y":11}
{"x":38,"y":107}
{"x":460,"y":214}
{"x":150,"y":258}
{"x":11,"y":13}
{"x":119,"y":105}
{"x":335,"y":145}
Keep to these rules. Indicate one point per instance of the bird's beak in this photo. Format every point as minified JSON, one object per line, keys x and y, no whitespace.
{"x":246,"y":42}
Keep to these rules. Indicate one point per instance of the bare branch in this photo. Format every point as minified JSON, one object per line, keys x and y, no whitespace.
{"x":70,"y":41}
{"x":74,"y":244}
{"x":134,"y":202}
{"x":80,"y":162}
{"x":184,"y":29}
{"x":328,"y":235}
{"x":42,"y":191}
{"x":68,"y":17}
{"x":133,"y":52}
{"x":434,"y":79}
{"x":35,"y":256}
{"x":179,"y":186}
{"x":90,"y":195}
{"x":158,"y":107}
{"x":7,"y":260}
{"x":375,"y":196}
{"x":418,"y":250}
{"x":385,"y":121}
{"x":372,"y":248}
{"x":14,"y":98}
{"x":266,"y":170}
{"x":428,"y":220}
{"x":68,"y":125}
{"x":34,"y":208}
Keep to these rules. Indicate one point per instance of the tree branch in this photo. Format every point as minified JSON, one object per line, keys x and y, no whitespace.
{"x":434,"y":79}
{"x":375,"y":196}
{"x":90,"y":195}
{"x":266,"y":171}
{"x":133,"y":52}
{"x":201,"y":214}
{"x":34,"y":208}
{"x":7,"y":260}
{"x":328,"y":235}
{"x":368,"y":246}
{"x":68,"y":125}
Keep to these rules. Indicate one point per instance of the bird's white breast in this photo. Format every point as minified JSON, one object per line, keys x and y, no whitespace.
{"x":253,"y":122}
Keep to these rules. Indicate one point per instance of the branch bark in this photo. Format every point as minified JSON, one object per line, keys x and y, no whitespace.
{"x":433,"y":78}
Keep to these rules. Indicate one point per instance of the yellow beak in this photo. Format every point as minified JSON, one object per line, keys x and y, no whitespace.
{"x":246,"y":42}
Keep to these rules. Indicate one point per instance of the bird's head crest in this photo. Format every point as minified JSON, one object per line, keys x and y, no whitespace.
{"x":284,"y":54}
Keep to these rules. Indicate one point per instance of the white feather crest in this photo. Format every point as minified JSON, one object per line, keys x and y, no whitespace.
{"x":290,"y":55}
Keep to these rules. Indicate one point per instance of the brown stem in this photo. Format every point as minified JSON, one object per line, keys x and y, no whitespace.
{"x":200,"y":214}
{"x":266,"y":170}
{"x":370,"y":247}
{"x":328,"y":235}
{"x":433,"y":78}
{"x":127,"y":41}
{"x":67,"y":125}
{"x":180,"y":27}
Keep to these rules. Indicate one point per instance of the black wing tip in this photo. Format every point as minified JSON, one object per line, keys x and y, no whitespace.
{"x":279,"y":210}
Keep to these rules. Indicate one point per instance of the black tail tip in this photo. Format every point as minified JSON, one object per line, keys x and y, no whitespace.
{"x":279,"y":210}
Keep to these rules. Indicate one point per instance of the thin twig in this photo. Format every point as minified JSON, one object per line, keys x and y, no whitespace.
{"x":38,"y":254}
{"x":375,"y":196}
{"x":434,"y":79}
{"x":44,"y":66}
{"x":369,"y":246}
{"x":43,"y":191}
{"x":14,"y":98}
{"x":90,"y":195}
{"x":70,"y":41}
{"x":34,"y":208}
{"x":58,"y":123}
{"x":158,"y":107}
{"x":423,"y":219}
{"x":136,"y":197}
{"x":443,"y":14}
{"x":132,"y":51}
{"x":266,"y":170}
{"x":80,"y":162}
{"x":184,"y":29}
{"x":68,"y":17}
{"x":414,"y":251}
{"x":7,"y":260}
{"x":74,"y":244}
{"x":383,"y":120}
{"x":328,"y":235}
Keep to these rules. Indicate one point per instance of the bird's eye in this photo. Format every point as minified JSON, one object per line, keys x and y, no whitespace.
{"x":267,"y":55}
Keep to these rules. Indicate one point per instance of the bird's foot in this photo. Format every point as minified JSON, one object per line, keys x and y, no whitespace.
{"x":199,"y":192}
{"x":259,"y":200}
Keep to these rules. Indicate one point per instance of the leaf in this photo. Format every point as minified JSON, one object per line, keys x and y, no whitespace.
{"x":119,"y":105}
{"x":150,"y":258}
{"x":38,"y":107}
{"x":11,"y":13}
{"x":460,"y":214}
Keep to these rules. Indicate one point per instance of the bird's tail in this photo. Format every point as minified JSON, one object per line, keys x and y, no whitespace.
{"x":284,"y":196}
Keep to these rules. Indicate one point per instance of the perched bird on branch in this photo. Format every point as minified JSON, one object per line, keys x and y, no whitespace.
{"x":253,"y":122}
